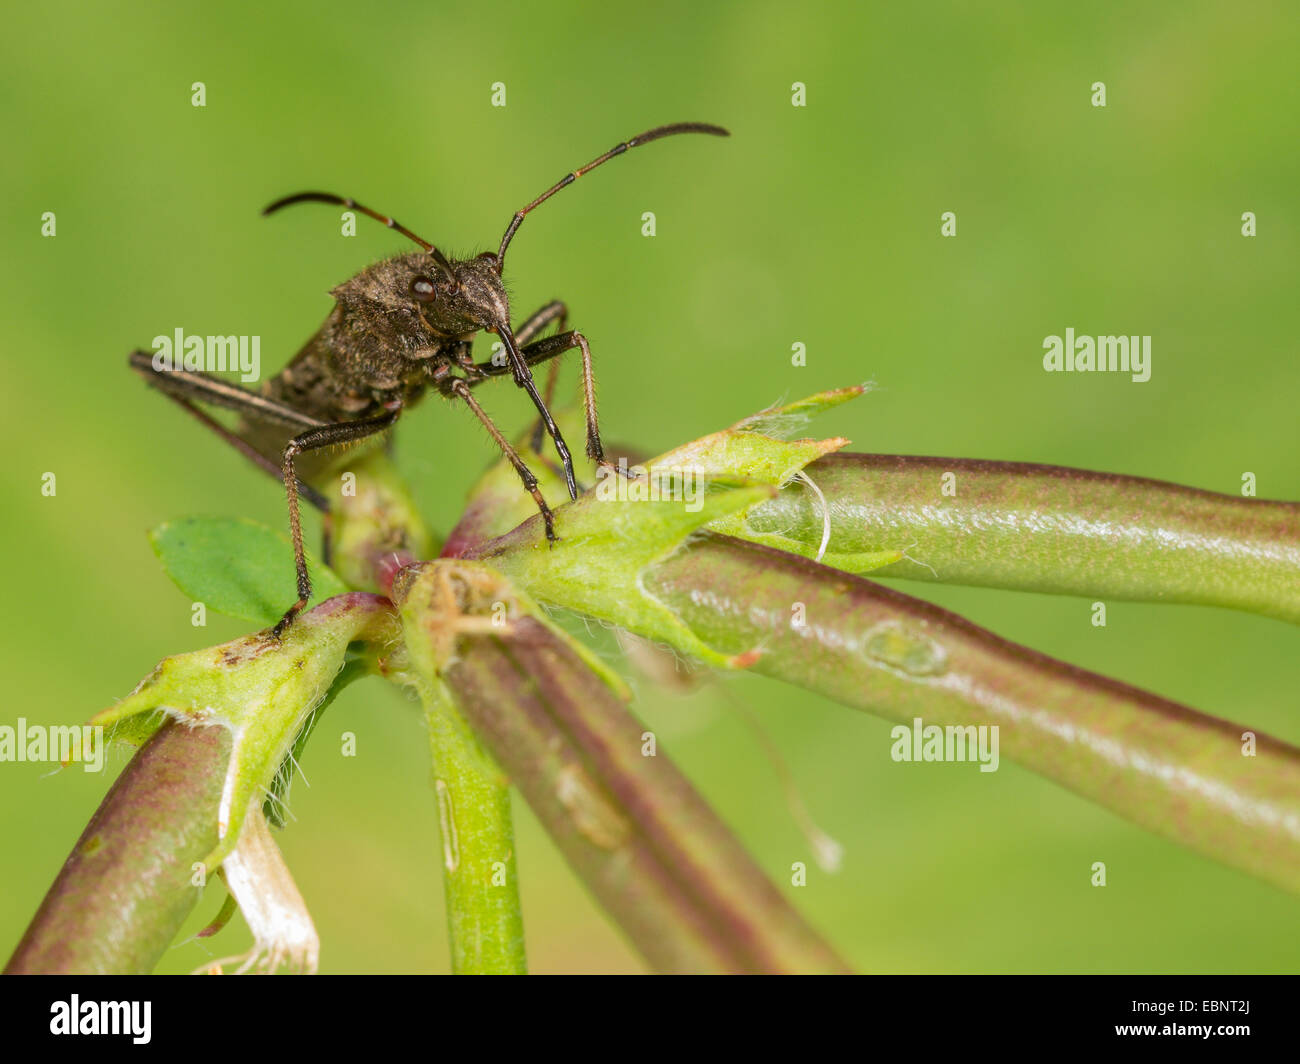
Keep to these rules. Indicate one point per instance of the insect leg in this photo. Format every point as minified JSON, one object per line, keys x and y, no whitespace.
{"x":529,"y":329}
{"x":532,"y":326}
{"x":524,"y":379}
{"x":330,"y":435}
{"x":540,"y":351}
{"x":460,"y":389}
{"x":219,"y":392}
{"x":186,"y":386}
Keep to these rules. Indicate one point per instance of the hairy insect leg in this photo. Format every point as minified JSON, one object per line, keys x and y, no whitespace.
{"x":184,"y":386}
{"x":553,"y":430}
{"x":529,"y":330}
{"x":539,"y":351}
{"x":460,"y":389}
{"x":531,"y":327}
{"x":178,"y":385}
{"x":524,"y":379}
{"x":316,"y":439}
{"x":194,"y":384}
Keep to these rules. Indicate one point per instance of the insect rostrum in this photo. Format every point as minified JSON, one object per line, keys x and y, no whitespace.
{"x":398,"y":328}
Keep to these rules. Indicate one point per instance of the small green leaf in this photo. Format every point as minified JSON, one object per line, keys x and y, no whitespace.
{"x":237,"y":567}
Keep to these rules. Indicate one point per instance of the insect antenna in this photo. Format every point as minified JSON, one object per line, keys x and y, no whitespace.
{"x":353,"y":205}
{"x":618,"y":149}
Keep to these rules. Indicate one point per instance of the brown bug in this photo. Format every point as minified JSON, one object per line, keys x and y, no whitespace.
{"x":398,"y":327}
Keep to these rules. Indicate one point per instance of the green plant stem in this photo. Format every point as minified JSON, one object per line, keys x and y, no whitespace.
{"x":1047,"y":528}
{"x":650,"y":849}
{"x":1187,"y":776}
{"x":655,"y":855}
{"x":125,"y":890}
{"x":1169,"y":768}
{"x":484,"y":917}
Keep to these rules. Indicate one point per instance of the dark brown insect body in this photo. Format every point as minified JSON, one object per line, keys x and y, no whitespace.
{"x":398,"y":328}
{"x":378,"y":350}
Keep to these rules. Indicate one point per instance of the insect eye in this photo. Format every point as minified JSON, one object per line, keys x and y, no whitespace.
{"x":423,"y":290}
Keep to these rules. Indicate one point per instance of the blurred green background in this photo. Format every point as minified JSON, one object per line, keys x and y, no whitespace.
{"x":817,"y":225}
